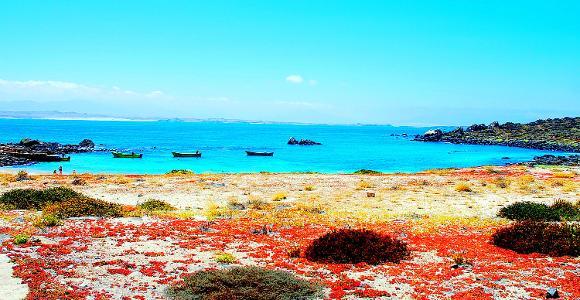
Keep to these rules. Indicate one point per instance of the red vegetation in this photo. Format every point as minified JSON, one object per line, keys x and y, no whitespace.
{"x":356,"y":246}
{"x":555,"y":239}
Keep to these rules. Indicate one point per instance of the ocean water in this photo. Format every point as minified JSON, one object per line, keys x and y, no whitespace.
{"x":345,"y":148}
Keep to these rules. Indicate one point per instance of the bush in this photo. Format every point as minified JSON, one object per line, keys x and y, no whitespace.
{"x":22,"y":175}
{"x":180,"y":172}
{"x":225,"y":258}
{"x":526,"y":210}
{"x":36,"y":199}
{"x":279,"y":196}
{"x":153,"y":204}
{"x":555,"y":239}
{"x":244,"y":283}
{"x":355,"y":246}
{"x":367,"y":172}
{"x":80,"y":207}
{"x":21,"y":239}
{"x":463,"y":187}
{"x":47,"y":221}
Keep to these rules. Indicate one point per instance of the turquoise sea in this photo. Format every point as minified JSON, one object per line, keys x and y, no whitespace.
{"x":345,"y":148}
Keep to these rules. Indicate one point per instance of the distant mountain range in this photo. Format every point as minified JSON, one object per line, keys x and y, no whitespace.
{"x":58,"y":115}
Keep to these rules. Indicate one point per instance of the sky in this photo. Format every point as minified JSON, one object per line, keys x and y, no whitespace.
{"x":379,"y":62}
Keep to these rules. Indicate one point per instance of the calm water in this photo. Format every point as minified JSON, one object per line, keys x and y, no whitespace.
{"x":344,"y":149}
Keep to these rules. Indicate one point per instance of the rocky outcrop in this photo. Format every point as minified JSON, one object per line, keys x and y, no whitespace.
{"x":554,"y":160}
{"x":29,"y":151}
{"x":302,"y":142}
{"x":551,"y":134}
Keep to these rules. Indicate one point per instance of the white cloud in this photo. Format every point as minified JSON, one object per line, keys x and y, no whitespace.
{"x":49,"y":90}
{"x":297,"y":79}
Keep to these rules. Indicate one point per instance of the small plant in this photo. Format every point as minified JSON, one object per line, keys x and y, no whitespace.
{"x":257,"y":203}
{"x":78,"y":181}
{"x":460,"y":260}
{"x":367,"y":172}
{"x":156,"y":205}
{"x":235,"y":204}
{"x":355,"y":246}
{"x":293,"y":252}
{"x":501,"y":182}
{"x":563,"y":175}
{"x":555,"y":239}
{"x":22,"y":175}
{"x":21,"y":239}
{"x":225,"y":258}
{"x":364,"y":185}
{"x":463,"y":187}
{"x":244,"y":283}
{"x":180,"y":172}
{"x":309,"y":188}
{"x":279,"y":196}
{"x":566,"y":210}
{"x":47,"y":221}
{"x":81,"y":207}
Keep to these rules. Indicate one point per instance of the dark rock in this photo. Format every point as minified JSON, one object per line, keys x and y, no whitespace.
{"x":29,"y":151}
{"x":552,"y":293}
{"x":553,"y":160}
{"x":430,"y":136}
{"x":505,"y":157}
{"x":29,"y":142}
{"x":551,"y":134}
{"x":86,"y":143}
{"x":302,"y":142}
{"x":477,"y":127}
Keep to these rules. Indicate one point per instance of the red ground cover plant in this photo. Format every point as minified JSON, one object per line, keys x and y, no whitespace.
{"x":555,"y":239}
{"x":73,"y":261}
{"x":356,"y":246}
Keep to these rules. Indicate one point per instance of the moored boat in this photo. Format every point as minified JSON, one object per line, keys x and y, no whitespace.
{"x":255,"y":153}
{"x":185,"y":154}
{"x":126,"y":155}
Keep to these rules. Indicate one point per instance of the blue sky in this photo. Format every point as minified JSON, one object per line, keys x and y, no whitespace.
{"x":397,"y":62}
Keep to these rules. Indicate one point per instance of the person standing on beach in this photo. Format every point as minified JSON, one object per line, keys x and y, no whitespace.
{"x":60,"y":170}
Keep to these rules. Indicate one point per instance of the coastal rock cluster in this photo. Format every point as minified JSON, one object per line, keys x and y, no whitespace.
{"x":551,"y":134}
{"x":302,"y":142}
{"x":10,"y":153}
{"x":554,"y":160}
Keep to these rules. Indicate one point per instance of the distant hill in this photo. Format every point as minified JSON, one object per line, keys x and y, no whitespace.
{"x":561,"y":134}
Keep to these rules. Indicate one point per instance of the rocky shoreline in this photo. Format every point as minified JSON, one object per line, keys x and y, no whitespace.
{"x":550,"y":134}
{"x":554,"y":160}
{"x":29,"y":151}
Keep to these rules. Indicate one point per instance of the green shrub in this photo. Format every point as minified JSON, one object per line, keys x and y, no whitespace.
{"x":48,"y":221}
{"x":180,"y":172}
{"x":355,"y":246}
{"x":555,"y":239}
{"x":367,"y":172}
{"x":526,"y":210}
{"x":244,"y":283}
{"x":566,"y":210}
{"x":81,"y":207}
{"x":153,"y":204}
{"x":36,"y":199}
{"x":225,"y":258}
{"x":21,"y":239}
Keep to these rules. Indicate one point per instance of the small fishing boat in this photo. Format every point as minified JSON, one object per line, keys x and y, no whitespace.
{"x":126,"y":155}
{"x":254,"y":153}
{"x":185,"y":154}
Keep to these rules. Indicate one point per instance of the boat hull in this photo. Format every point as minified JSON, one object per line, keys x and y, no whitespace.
{"x":179,"y":154}
{"x":123,"y":155}
{"x":253,"y":153}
